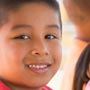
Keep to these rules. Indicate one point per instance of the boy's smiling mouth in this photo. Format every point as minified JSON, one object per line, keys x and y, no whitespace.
{"x":39,"y":68}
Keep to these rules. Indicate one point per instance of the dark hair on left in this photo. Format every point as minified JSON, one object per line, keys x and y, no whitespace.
{"x":83,"y":65}
{"x":11,"y":5}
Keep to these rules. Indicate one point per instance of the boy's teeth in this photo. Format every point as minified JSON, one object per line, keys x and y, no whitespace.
{"x":37,"y":66}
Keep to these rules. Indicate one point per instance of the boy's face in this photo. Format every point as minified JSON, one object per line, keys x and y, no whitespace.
{"x":30,"y":48}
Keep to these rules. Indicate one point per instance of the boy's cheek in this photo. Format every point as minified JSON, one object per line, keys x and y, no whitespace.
{"x":57,"y":53}
{"x":11,"y":55}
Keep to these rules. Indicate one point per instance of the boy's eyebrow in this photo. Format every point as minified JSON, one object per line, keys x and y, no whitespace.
{"x":20,"y":26}
{"x":54,"y":26}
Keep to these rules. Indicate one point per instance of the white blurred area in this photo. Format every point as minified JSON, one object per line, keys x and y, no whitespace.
{"x":67,"y":36}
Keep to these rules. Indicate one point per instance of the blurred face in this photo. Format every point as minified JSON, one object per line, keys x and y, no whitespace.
{"x":83,"y":31}
{"x":74,"y":13}
{"x":80,"y":19}
{"x":30,"y":48}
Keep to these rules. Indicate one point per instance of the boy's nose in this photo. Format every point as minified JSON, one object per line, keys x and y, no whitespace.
{"x":40,"y":49}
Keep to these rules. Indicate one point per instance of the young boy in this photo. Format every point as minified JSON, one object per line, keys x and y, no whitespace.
{"x":79,"y":13}
{"x":30,"y":48}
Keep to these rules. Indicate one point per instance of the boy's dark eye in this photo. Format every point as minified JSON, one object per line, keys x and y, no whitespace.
{"x":22,"y":37}
{"x":50,"y":36}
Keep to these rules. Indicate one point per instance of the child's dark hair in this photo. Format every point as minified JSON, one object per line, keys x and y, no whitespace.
{"x":83,"y":65}
{"x":9,"y":5}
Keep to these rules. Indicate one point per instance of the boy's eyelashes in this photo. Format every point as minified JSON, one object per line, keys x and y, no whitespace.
{"x":25,"y":37}
{"x":50,"y":36}
{"x":22,"y":37}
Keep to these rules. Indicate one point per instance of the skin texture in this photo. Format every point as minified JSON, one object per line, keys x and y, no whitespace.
{"x":30,"y":37}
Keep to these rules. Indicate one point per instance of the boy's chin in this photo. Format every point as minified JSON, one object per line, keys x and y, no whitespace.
{"x":32,"y":86}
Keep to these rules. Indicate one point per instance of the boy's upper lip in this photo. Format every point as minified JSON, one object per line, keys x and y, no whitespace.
{"x":39,"y":62}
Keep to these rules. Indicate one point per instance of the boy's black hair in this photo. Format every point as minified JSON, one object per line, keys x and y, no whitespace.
{"x":10,"y":5}
{"x":83,"y":65}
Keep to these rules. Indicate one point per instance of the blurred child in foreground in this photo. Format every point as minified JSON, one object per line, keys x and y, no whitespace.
{"x":79,"y":14}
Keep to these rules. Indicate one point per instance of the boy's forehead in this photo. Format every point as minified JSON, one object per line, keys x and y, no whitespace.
{"x":33,"y":13}
{"x":25,"y":13}
{"x":34,"y":8}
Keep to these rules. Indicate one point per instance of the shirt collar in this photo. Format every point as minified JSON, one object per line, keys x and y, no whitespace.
{"x":3,"y":86}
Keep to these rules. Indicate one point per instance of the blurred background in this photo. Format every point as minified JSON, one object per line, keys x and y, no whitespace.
{"x":67,"y":35}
